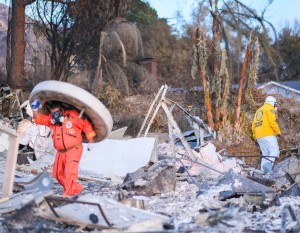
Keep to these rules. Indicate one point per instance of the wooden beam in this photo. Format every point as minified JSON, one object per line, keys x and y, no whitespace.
{"x":11,"y":161}
{"x":156,"y":110}
{"x":178,"y":131}
{"x":7,"y":130}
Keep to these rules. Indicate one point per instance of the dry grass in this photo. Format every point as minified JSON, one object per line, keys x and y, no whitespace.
{"x":111,"y":97}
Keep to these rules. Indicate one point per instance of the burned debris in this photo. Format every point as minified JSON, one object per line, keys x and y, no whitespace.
{"x":156,"y":179}
{"x":145,"y":184}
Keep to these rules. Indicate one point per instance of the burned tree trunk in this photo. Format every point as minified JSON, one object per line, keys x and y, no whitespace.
{"x":216,"y":61}
{"x":16,"y":66}
{"x":16,"y":44}
{"x":224,"y":75}
{"x":199,"y":67}
{"x":97,"y":84}
{"x":207,"y":99}
{"x":241,"y":84}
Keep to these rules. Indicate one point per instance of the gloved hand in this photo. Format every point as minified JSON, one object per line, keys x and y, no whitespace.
{"x":35,"y":105}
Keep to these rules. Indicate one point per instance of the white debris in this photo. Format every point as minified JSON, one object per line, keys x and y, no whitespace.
{"x":37,"y":137}
{"x":119,"y":215}
{"x":118,"y":157}
{"x":209,"y":154}
{"x":4,"y":141}
{"x":26,"y":105}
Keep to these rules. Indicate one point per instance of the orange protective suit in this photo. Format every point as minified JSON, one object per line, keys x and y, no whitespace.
{"x":67,"y":140}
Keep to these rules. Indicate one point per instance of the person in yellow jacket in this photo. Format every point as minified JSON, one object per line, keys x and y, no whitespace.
{"x":265,"y":129}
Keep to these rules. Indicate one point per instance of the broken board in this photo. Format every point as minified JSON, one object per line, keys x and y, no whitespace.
{"x":117,"y":134}
{"x":118,"y":215}
{"x":98,"y":114}
{"x":9,"y":143}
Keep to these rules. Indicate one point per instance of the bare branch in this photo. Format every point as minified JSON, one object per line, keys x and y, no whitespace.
{"x":28,"y":2}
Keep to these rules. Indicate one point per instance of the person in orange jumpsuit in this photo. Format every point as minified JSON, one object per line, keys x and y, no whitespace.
{"x":67,"y":128}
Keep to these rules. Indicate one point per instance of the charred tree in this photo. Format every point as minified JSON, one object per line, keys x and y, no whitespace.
{"x":73,"y":30}
{"x":17,"y":44}
{"x":200,"y":67}
{"x":241,"y":84}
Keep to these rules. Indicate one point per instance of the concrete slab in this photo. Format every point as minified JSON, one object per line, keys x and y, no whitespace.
{"x":117,"y":157}
{"x":293,"y":191}
{"x":34,"y":190}
{"x":156,"y":179}
{"x":117,"y":134}
{"x":119,"y":215}
{"x":241,"y":184}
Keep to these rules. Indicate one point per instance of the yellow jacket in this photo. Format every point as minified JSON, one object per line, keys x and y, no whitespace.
{"x":264,"y":122}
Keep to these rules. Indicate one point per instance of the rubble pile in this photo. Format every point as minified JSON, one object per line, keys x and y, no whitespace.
{"x":210,"y":203}
{"x":153,"y":184}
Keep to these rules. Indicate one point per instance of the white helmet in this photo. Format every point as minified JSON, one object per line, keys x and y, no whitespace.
{"x":270,"y":100}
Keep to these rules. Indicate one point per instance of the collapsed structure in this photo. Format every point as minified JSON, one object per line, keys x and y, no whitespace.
{"x":181,"y":183}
